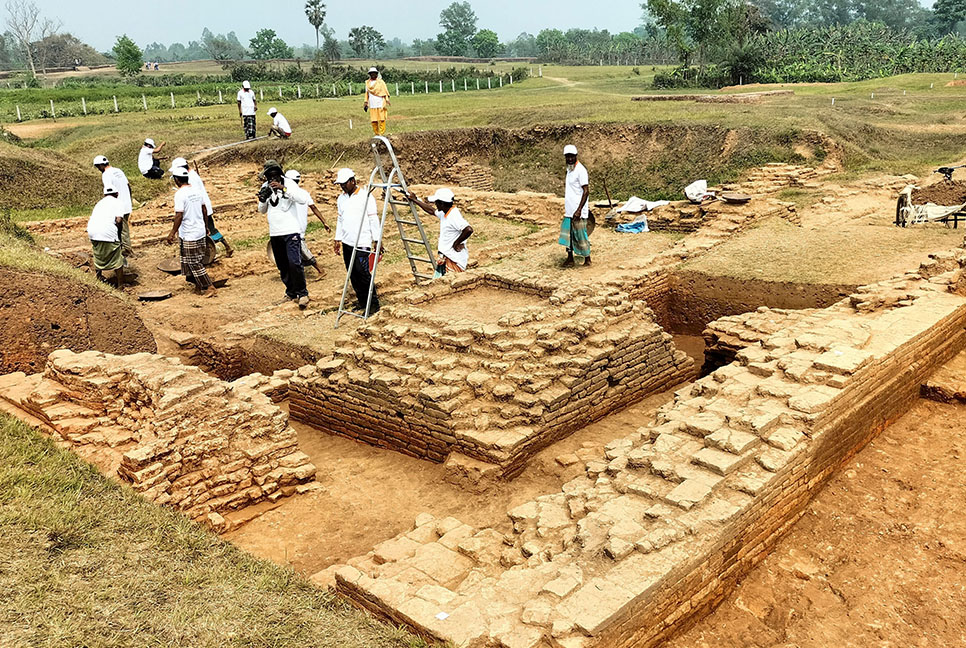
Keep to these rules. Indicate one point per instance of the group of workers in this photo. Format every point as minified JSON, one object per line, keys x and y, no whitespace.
{"x":286,"y":205}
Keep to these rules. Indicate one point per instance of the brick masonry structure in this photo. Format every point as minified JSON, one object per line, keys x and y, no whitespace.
{"x":684,"y":506}
{"x":176,"y":435}
{"x":530,"y":365}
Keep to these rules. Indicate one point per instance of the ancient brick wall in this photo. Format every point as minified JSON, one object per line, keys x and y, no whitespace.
{"x":429,"y":385}
{"x":682,"y":507}
{"x":175,"y":434}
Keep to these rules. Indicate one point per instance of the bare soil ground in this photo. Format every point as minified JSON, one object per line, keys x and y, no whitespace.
{"x":941,"y":193}
{"x":879,"y":559}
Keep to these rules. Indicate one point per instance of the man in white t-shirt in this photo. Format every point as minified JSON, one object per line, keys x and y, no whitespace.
{"x":358,"y":225}
{"x":111,"y":176}
{"x":573,"y":229}
{"x":279,"y":199}
{"x":247,"y":107}
{"x":189,"y":226}
{"x":308,"y":259}
{"x":104,"y":231}
{"x":453,"y":231}
{"x":280,"y":126}
{"x":195,"y":181}
{"x":148,"y":160}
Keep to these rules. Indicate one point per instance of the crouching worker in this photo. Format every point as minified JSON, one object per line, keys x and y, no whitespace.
{"x":280,"y":126}
{"x":453,"y":231}
{"x":189,"y":227}
{"x":148,"y":161}
{"x":104,"y":229}
{"x":279,"y":199}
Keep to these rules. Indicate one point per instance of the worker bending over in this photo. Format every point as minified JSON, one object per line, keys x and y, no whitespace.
{"x":104,"y":230}
{"x":111,"y":176}
{"x":573,"y":229}
{"x":358,"y":226}
{"x":194,"y":179}
{"x":308,"y":259}
{"x":189,"y":228}
{"x":453,"y":231}
{"x":279,"y":199}
{"x":280,"y":126}
{"x":377,"y":102}
{"x":148,"y":161}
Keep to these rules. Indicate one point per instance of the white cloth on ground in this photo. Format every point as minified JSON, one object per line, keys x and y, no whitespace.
{"x":635,"y":205}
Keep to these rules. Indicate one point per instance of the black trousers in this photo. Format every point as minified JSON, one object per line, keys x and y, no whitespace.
{"x":155,"y":172}
{"x":359,"y":277}
{"x":288,"y":258}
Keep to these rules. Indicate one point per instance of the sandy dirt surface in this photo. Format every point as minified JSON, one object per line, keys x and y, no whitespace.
{"x":878,"y":560}
{"x":372,"y":494}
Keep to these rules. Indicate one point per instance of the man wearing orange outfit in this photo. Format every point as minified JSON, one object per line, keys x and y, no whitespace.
{"x":377,"y":101}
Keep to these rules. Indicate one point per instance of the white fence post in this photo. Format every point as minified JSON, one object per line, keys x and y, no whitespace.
{"x":220,"y":98}
{"x":412,"y":86}
{"x":18,"y":113}
{"x":427,"y":86}
{"x":540,"y":70}
{"x":350,"y":123}
{"x":350,"y":87}
{"x":477,"y":83}
{"x":172,"y":100}
{"x":501,"y":80}
{"x":333,"y":90}
{"x":84,"y":105}
{"x":454,"y":84}
{"x":280,"y":92}
{"x":489,"y":83}
{"x":198,"y":92}
{"x":299,"y":91}
{"x":115,"y":104}
{"x":53,"y":113}
{"x":397,"y":89}
{"x":261,"y":94}
{"x":464,"y":84}
{"x":511,"y":79}
{"x":316,"y":90}
{"x":144,"y":102}
{"x":440,"y":85}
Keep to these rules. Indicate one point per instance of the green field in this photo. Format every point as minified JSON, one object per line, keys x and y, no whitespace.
{"x":900,"y":125}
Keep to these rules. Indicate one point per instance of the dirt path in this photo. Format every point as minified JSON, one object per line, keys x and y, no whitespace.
{"x":878,"y":560}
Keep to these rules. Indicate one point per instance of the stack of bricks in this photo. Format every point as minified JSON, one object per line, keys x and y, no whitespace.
{"x":496,"y":392}
{"x":682,"y":508}
{"x":176,"y":435}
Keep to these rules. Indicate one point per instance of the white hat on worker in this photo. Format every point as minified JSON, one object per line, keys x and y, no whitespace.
{"x":443,"y":195}
{"x":373,"y":69}
{"x":344,"y":176}
{"x":149,"y":142}
{"x":109,"y":190}
{"x":178,"y":172}
{"x":292,"y":174}
{"x":570,"y":149}
{"x":100,"y":159}
{"x":246,"y":85}
{"x":272,"y":110}
{"x":179,"y":162}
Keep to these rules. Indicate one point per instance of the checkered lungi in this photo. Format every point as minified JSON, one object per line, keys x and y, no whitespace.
{"x":192,"y":263}
{"x":249,"y":121}
{"x":573,"y":236}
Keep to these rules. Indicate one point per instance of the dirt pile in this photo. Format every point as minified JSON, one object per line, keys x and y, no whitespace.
{"x":941,"y":193}
{"x":40,"y":313}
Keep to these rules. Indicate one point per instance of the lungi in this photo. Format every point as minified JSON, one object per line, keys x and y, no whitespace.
{"x":107,"y":255}
{"x":192,"y":263}
{"x":444,"y":264}
{"x":249,"y":122}
{"x":573,"y":236}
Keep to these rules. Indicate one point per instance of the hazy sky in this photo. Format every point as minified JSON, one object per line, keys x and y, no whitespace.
{"x":167,"y":21}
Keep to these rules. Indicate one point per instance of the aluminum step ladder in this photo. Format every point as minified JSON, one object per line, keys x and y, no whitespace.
{"x":411,"y":230}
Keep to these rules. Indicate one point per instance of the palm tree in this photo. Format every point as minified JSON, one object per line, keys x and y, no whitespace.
{"x":315,"y":12}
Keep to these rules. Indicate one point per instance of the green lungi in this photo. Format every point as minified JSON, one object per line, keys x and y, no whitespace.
{"x":573,"y":236}
{"x":107,"y":255}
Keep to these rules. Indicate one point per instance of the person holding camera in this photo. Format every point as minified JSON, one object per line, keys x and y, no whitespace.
{"x":279,"y":199}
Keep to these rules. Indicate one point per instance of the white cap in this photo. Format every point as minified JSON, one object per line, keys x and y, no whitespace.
{"x":373,"y":69}
{"x":100,"y":159}
{"x":149,"y":142}
{"x":570,"y":149}
{"x":178,"y":172}
{"x":179,"y":162}
{"x":246,"y":85}
{"x":272,"y":110}
{"x":109,"y":190}
{"x":292,"y":174}
{"x":442,"y":195}
{"x":344,"y":176}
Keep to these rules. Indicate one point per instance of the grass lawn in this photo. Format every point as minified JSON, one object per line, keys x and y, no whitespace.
{"x":85,"y":562}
